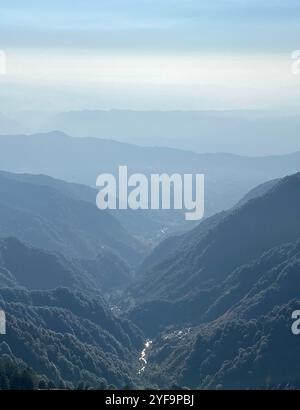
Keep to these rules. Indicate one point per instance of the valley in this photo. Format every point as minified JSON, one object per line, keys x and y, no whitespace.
{"x":93,"y":301}
{"x":150,"y":201}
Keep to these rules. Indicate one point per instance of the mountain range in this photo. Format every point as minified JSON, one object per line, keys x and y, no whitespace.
{"x":248,"y":132}
{"x":227,"y":177}
{"x":82,"y":290}
{"x":53,"y":215}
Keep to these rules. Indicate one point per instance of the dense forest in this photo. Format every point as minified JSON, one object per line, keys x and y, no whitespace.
{"x":215,"y":301}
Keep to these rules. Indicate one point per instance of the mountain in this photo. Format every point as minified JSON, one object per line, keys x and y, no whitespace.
{"x":228,"y":177}
{"x":227,"y":321}
{"x":15,"y":375}
{"x":138,"y":223}
{"x":58,"y":324}
{"x":53,"y":216}
{"x":187,"y":282}
{"x":169,"y":246}
{"x":34,"y":268}
{"x":67,"y":335}
{"x":248,"y":132}
{"x":107,"y":271}
{"x":246,"y":339}
{"x":258,"y":191}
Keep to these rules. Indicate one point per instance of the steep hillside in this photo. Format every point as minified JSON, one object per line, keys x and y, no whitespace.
{"x":182,"y":287}
{"x":57,"y":322}
{"x":34,"y":268}
{"x":245,"y":340}
{"x":206,"y":257}
{"x":138,"y":223}
{"x":49,"y":218}
{"x":67,"y":335}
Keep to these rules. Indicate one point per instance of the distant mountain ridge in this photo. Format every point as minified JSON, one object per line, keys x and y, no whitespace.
{"x":254,"y":132}
{"x":228,"y":177}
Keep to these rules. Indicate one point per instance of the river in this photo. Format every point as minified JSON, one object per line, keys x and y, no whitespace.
{"x":143,"y":356}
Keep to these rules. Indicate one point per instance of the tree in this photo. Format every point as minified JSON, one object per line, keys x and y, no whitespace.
{"x":51,"y":385}
{"x":42,"y":385}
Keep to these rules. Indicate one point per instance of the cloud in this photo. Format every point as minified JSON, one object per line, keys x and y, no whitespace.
{"x":155,"y":44}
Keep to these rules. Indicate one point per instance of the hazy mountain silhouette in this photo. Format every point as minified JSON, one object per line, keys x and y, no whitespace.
{"x":228,"y":177}
{"x":248,"y":132}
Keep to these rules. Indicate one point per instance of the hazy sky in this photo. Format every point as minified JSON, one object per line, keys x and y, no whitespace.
{"x":160,"y":54}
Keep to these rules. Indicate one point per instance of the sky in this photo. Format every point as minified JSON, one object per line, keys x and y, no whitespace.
{"x":149,"y":54}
